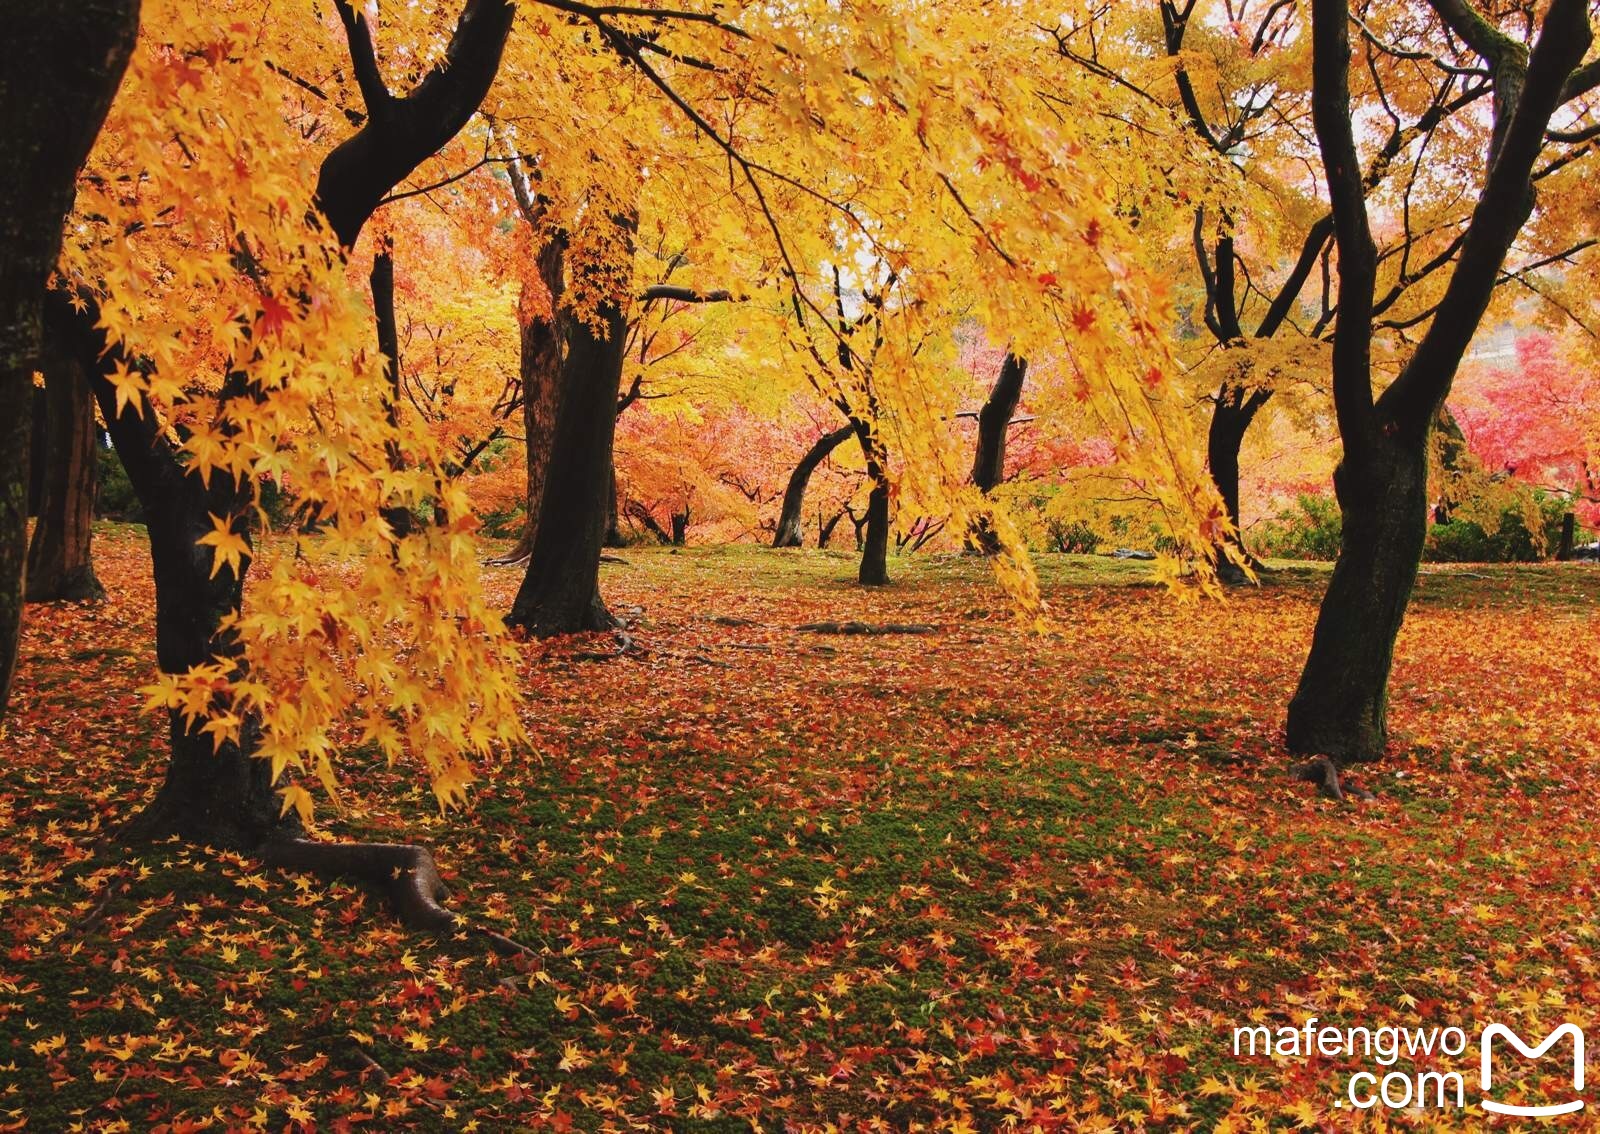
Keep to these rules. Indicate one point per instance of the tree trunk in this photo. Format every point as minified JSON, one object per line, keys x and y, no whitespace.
{"x":59,"y":563}
{"x":1232,"y":411}
{"x":874,"y":570}
{"x":614,"y":536}
{"x":825,"y":528}
{"x":63,"y":65}
{"x":560,"y":593}
{"x":680,"y":527}
{"x":989,"y":461}
{"x":994,"y":423}
{"x":540,"y":371}
{"x":646,"y":519}
{"x":223,"y":798}
{"x":794,"y":496}
{"x":1569,"y":536}
{"x":381,"y":282}
{"x":1339,"y":708}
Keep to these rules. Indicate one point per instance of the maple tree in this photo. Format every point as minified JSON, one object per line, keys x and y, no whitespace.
{"x":796,"y":853}
{"x":253,"y":690}
{"x":1339,"y":707}
{"x":1536,"y":420}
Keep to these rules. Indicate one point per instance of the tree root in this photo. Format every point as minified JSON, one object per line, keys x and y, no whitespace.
{"x":1325,"y":774}
{"x":867,"y":628}
{"x":369,"y":1068}
{"x":626,"y":645}
{"x":406,"y":875}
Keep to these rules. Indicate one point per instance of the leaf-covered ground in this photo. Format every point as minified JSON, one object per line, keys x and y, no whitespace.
{"x":965,"y":880}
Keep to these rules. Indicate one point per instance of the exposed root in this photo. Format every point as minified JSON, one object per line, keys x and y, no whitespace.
{"x":1324,"y":773}
{"x":503,"y":945}
{"x":626,"y":645}
{"x":370,"y":1068}
{"x":1232,"y":575}
{"x":867,"y":628}
{"x":509,"y":561}
{"x":406,"y":875}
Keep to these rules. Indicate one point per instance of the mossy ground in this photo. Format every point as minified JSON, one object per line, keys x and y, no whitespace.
{"x":964,"y":880}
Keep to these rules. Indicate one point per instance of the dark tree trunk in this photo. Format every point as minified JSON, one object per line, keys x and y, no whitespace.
{"x":1338,"y":709}
{"x":540,"y":372}
{"x":646,"y":520}
{"x":989,"y":460}
{"x":680,"y":527}
{"x":560,"y":594}
{"x":39,"y":451}
{"x":1569,"y":536}
{"x":874,"y":570}
{"x":222,"y":798}
{"x":63,"y":65}
{"x":1232,"y":411}
{"x":226,"y":798}
{"x":381,"y":281}
{"x":614,"y":537}
{"x":59,"y":563}
{"x":994,"y":423}
{"x":825,"y":528}
{"x":794,"y":496}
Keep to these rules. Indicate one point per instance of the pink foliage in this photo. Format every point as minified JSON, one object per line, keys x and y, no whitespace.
{"x":1536,"y":420}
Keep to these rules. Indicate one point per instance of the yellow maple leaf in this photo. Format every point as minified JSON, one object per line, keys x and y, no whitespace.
{"x":229,"y":547}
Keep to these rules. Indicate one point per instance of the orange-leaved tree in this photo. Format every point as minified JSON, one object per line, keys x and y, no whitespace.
{"x":208,"y":294}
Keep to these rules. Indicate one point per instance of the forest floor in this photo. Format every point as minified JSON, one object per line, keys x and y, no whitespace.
{"x":963,"y":880}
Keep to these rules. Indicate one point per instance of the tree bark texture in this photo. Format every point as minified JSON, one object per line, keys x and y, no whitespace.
{"x":62,"y":66}
{"x":794,"y":495}
{"x":60,"y":565}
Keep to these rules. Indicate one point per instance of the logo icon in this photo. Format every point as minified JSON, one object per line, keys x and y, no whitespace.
{"x":1549,"y":1041}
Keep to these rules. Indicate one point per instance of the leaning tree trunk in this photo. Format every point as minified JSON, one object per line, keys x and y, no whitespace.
{"x":1339,"y":709}
{"x":560,"y":594}
{"x":874,"y":570}
{"x":63,"y":65}
{"x":794,"y":496}
{"x":994,"y":422}
{"x":989,"y":459}
{"x":59,"y":563}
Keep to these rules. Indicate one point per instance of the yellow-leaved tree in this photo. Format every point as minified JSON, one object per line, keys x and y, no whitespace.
{"x":205,"y":286}
{"x":910,"y":156}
